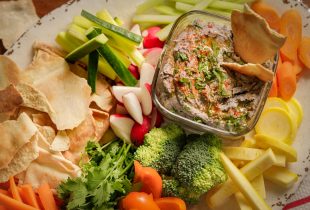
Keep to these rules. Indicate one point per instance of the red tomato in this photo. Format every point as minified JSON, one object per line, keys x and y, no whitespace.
{"x":138,"y":201}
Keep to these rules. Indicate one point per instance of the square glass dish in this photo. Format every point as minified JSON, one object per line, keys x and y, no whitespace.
{"x":187,"y":82}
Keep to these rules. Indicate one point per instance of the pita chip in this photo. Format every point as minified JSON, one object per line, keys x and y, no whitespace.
{"x":14,"y":135}
{"x":9,"y":71}
{"x":254,"y":40}
{"x":10,"y":99}
{"x":47,"y":132}
{"x":251,"y":69}
{"x":61,"y":142}
{"x":68,"y":94}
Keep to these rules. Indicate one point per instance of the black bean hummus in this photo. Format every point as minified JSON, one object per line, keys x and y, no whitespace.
{"x":192,"y":82}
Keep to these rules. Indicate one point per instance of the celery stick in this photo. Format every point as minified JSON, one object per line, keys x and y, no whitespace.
{"x":146,"y":25}
{"x":187,"y":1}
{"x":78,"y":32}
{"x":105,"y":15}
{"x":86,"y":48}
{"x":92,"y":69}
{"x":226,"y":14}
{"x":166,"y":10}
{"x":148,"y":4}
{"x":158,"y":19}
{"x":83,"y":22}
{"x":164,"y":32}
{"x":202,"y":5}
{"x":187,"y":7}
{"x":183,"y":6}
{"x":119,"y":21}
{"x":223,"y":5}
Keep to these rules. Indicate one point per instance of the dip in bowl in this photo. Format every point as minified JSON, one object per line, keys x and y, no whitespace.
{"x":191,"y":87}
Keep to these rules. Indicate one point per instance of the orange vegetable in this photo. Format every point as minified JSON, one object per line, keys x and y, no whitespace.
{"x":150,"y":179}
{"x":4,"y":192}
{"x":274,"y":88}
{"x":46,"y":197}
{"x":14,"y":190}
{"x":291,"y":27}
{"x":2,"y":208}
{"x":10,"y":203}
{"x":298,"y":66}
{"x":286,"y":80}
{"x":28,"y":195}
{"x":138,"y":201}
{"x":304,"y":51}
{"x":267,"y":12}
{"x":170,"y":203}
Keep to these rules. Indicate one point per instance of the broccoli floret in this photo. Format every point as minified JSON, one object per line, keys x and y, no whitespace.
{"x":161,"y":147}
{"x":198,"y":166}
{"x":173,"y":188}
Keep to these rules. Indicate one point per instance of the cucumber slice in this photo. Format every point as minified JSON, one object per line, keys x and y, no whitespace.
{"x":86,"y":48}
{"x":92,"y":69}
{"x":111,"y":29}
{"x":105,"y":51}
{"x":105,"y":15}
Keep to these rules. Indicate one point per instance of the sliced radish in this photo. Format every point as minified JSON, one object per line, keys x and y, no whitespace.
{"x":134,"y":70}
{"x":119,"y":91}
{"x":136,"y":29}
{"x":146,"y":73}
{"x":150,"y":38}
{"x":138,"y":131}
{"x":152,"y":55}
{"x":146,"y":99}
{"x":133,"y":107}
{"x":121,"y":126}
{"x":120,"y":109}
{"x":156,"y":118}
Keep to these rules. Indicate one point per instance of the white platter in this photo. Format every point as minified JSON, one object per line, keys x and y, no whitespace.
{"x":47,"y":28}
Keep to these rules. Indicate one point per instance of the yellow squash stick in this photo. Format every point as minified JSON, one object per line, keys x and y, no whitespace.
{"x":258,"y":184}
{"x":242,"y":202}
{"x":250,"y":171}
{"x":281,"y":176}
{"x":243,"y":184}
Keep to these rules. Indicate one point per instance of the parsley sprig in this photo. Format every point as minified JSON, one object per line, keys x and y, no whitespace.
{"x":105,"y":178}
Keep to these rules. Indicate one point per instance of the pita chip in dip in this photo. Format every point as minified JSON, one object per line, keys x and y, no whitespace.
{"x":68,"y":94}
{"x":254,"y":41}
{"x":18,"y":146}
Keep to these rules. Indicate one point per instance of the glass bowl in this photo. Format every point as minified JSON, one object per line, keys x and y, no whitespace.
{"x":181,"y":23}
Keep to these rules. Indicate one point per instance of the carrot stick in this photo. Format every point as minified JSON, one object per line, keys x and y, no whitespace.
{"x":298,"y":66}
{"x":13,"y":204}
{"x":291,"y":27}
{"x":286,"y":80}
{"x":169,"y":203}
{"x":274,"y":88}
{"x":14,"y":190}
{"x":268,"y":13}
{"x":46,"y":197}
{"x":2,"y":208}
{"x":4,"y":192}
{"x":28,"y":195}
{"x":304,"y":51}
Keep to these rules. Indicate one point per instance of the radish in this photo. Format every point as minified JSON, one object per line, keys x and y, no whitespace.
{"x":152,"y":55}
{"x":133,"y":106}
{"x":146,"y":99}
{"x":138,"y":131}
{"x":120,"y":109}
{"x":156,"y":118}
{"x":121,"y":126}
{"x":134,"y":71}
{"x":119,"y":91}
{"x":150,"y":38}
{"x":146,"y":73}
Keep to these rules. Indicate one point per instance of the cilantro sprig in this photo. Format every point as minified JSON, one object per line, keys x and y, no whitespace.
{"x":105,"y":178}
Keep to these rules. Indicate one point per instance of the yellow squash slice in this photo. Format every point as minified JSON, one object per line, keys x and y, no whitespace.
{"x":281,"y":176}
{"x":295,"y":110}
{"x":242,"y":202}
{"x":278,"y":124}
{"x":276,"y":102}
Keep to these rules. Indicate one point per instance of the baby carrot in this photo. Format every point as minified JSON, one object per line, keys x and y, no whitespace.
{"x":291,"y":27}
{"x":304,"y":51}
{"x":286,"y":80}
{"x":14,"y":190}
{"x":267,"y":12}
{"x":28,"y":195}
{"x":10,"y":203}
{"x":46,"y":197}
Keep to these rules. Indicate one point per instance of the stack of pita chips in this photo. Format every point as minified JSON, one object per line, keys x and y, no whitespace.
{"x":47,"y":116}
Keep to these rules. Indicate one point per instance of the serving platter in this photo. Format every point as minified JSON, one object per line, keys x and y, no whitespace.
{"x":47,"y":28}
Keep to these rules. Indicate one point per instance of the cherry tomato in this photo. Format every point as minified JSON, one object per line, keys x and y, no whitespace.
{"x":138,"y":201}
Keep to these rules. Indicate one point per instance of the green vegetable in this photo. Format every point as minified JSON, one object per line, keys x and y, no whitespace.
{"x":113,"y":30}
{"x":158,"y":19}
{"x":105,"y":178}
{"x":106,"y":16}
{"x":119,"y":21}
{"x":118,"y":66}
{"x":166,"y":10}
{"x":92,"y":69}
{"x":161,"y":147}
{"x":86,"y":48}
{"x":164,"y":32}
{"x":148,"y":4}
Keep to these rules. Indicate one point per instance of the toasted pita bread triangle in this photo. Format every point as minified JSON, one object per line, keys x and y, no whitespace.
{"x":251,"y":69}
{"x":10,"y":99}
{"x":254,"y":40}
{"x":9,"y":72}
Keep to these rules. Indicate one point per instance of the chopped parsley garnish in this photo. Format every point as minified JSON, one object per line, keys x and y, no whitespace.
{"x":184,"y":80}
{"x":215,"y":48}
{"x":180,"y":56}
{"x":200,"y":84}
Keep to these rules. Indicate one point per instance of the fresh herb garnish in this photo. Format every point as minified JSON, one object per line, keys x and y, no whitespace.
{"x":105,"y":178}
{"x":184,"y":80}
{"x":215,"y":48}
{"x":180,"y":56}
